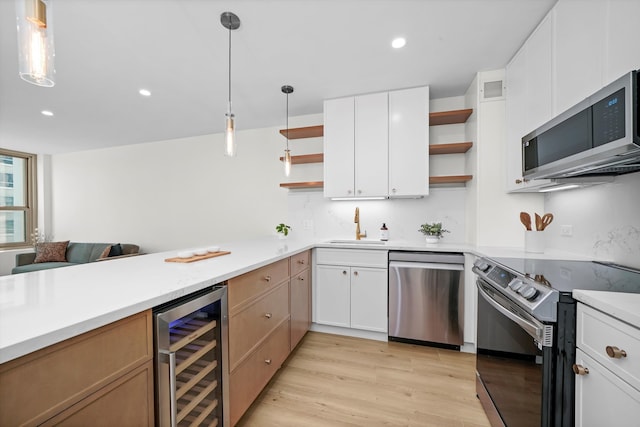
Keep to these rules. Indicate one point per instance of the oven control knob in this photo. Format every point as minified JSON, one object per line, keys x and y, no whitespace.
{"x":482,"y":266}
{"x":516,"y":285}
{"x":530,"y":293}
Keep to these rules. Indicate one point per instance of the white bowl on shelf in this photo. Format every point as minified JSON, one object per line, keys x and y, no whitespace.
{"x":200,"y":251}
{"x":185,"y":254}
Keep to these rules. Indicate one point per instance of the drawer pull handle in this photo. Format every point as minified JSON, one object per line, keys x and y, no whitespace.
{"x":268,"y":315}
{"x":615,"y":353}
{"x":267,"y":278}
{"x":580,"y":370}
{"x":301,"y":261}
{"x":267,"y":361}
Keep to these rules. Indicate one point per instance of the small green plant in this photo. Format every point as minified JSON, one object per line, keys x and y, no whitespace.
{"x":283,"y":228}
{"x":432,"y":229}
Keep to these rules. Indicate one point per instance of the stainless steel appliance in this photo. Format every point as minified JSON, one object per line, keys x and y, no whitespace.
{"x":526,"y":335}
{"x":598,"y":136}
{"x":426,"y":298}
{"x":190,"y":340}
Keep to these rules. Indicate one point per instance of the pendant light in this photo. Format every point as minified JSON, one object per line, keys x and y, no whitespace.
{"x":286,"y":89}
{"x":35,"y":42}
{"x":230,"y":21}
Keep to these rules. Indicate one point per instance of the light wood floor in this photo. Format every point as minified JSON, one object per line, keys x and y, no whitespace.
{"x":332,"y":380}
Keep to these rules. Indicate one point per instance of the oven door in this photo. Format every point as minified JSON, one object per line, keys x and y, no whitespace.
{"x":515,"y":371}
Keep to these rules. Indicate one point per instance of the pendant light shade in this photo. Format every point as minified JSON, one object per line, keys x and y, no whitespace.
{"x":286,"y":89}
{"x":230,"y":21}
{"x":36,"y":51}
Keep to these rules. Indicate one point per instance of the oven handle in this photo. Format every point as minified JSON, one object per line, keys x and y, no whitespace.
{"x":531,"y":328}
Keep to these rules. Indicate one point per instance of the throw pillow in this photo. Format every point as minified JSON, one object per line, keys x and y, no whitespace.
{"x":116,"y":250}
{"x":51,"y":252}
{"x":105,"y":253}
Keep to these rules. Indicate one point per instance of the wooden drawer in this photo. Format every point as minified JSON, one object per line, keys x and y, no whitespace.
{"x":251,"y":325}
{"x":300,"y":262}
{"x":596,"y":331}
{"x":250,"y":285}
{"x":246,"y":382}
{"x":42,"y":384}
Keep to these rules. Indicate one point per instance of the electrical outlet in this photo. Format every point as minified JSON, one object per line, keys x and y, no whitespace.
{"x":566,"y":230}
{"x":307,"y":224}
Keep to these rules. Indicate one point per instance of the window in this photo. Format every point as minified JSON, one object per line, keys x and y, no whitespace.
{"x":18,"y":215}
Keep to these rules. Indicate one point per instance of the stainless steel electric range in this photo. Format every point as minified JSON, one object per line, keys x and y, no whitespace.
{"x":526,"y":335}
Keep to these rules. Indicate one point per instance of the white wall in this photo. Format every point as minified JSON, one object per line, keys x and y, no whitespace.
{"x":605,"y":221}
{"x":171,"y":194}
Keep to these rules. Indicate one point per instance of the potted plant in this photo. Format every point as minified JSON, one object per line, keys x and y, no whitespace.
{"x":282,"y":230}
{"x":433,"y":231}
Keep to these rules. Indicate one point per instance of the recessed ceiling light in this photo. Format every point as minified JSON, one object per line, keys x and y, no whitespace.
{"x":144,"y":92}
{"x":399,"y":42}
{"x":46,"y":113}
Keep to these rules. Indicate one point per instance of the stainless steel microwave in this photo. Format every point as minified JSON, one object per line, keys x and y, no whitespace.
{"x":598,"y":136}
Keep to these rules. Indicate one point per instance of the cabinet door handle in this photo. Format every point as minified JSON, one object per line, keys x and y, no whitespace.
{"x":580,"y":370}
{"x":344,"y":271}
{"x":518,"y":181}
{"x":355,"y":273}
{"x":348,"y":191}
{"x":393,"y":190}
{"x":615,"y":353}
{"x":359,"y":191}
{"x":267,"y":361}
{"x":267,"y":278}
{"x":301,"y":278}
{"x":268,"y":315}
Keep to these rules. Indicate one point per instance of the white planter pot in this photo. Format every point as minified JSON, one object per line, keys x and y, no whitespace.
{"x":432,"y":239}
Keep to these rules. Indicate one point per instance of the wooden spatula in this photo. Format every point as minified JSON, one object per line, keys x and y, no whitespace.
{"x":538,"y":222}
{"x":525,"y":219}
{"x":546,"y":220}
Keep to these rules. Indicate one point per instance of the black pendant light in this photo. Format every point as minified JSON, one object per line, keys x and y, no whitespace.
{"x":286,"y":89}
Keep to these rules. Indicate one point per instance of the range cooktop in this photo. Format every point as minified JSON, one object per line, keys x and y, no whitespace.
{"x":565,"y":276}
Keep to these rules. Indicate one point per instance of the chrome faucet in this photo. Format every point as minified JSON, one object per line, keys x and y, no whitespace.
{"x":357,"y":221}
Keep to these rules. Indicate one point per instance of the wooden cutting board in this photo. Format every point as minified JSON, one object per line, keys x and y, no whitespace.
{"x":198,"y":257}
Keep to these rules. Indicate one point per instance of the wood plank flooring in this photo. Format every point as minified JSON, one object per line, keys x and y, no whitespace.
{"x":333,"y":380}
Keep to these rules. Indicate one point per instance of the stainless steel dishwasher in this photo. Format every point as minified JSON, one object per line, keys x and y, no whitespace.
{"x":426,"y":298}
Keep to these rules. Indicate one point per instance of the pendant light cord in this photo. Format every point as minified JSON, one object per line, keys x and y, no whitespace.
{"x":287,"y":121}
{"x":229,"y":63}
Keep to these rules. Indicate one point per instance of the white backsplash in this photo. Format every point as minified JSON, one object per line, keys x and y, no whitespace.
{"x":605,"y":220}
{"x":311,"y":215}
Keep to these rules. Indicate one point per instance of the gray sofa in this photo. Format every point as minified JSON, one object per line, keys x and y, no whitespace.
{"x":77,"y":253}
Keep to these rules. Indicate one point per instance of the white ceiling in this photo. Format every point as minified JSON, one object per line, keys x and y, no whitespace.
{"x":108,"y":49}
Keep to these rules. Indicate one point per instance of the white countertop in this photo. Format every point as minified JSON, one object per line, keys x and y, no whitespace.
{"x":42,"y":308}
{"x":622,"y":306}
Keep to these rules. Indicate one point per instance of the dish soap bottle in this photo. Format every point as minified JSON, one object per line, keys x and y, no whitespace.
{"x":384,"y":233}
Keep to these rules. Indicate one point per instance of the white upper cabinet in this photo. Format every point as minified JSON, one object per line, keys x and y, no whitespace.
{"x":409,"y":142}
{"x":622,"y":53}
{"x":371,"y":145}
{"x":376,"y":145}
{"x":339,"y":154}
{"x":579,"y":43}
{"x":529,"y":100}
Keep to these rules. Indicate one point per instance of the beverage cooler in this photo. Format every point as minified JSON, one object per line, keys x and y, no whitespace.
{"x":190,"y":343}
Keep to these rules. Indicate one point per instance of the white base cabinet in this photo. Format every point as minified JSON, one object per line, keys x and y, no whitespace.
{"x":350,"y":289}
{"x":607,"y":370}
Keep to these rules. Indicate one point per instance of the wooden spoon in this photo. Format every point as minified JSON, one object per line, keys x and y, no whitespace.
{"x":525,"y":219}
{"x":546,"y":220}
{"x":538,"y":222}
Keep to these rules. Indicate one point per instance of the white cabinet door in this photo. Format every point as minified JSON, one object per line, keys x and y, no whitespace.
{"x":369,"y":298}
{"x":409,"y":142}
{"x":371,"y":145}
{"x":529,"y":100}
{"x":332,"y":295}
{"x":339,"y":147}
{"x":621,"y":51}
{"x":602,"y":398}
{"x":579,"y":50}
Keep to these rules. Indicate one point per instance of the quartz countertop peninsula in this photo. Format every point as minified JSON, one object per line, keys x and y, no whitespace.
{"x":42,"y":308}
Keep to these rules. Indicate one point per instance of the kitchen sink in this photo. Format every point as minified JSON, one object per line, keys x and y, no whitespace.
{"x":356,"y":242}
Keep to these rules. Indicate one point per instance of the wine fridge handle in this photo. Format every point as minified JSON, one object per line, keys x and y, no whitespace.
{"x":173,"y":407}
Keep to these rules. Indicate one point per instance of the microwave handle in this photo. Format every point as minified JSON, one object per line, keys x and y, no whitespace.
{"x":532,"y":329}
{"x":169,"y":357}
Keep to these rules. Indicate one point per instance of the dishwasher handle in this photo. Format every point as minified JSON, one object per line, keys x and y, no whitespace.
{"x":426,"y":265}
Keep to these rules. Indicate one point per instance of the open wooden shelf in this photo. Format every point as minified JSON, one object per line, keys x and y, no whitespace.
{"x":449,"y":117}
{"x":452,"y":148}
{"x":306,"y":158}
{"x":305,"y":132}
{"x":296,"y":185}
{"x":452,"y":179}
